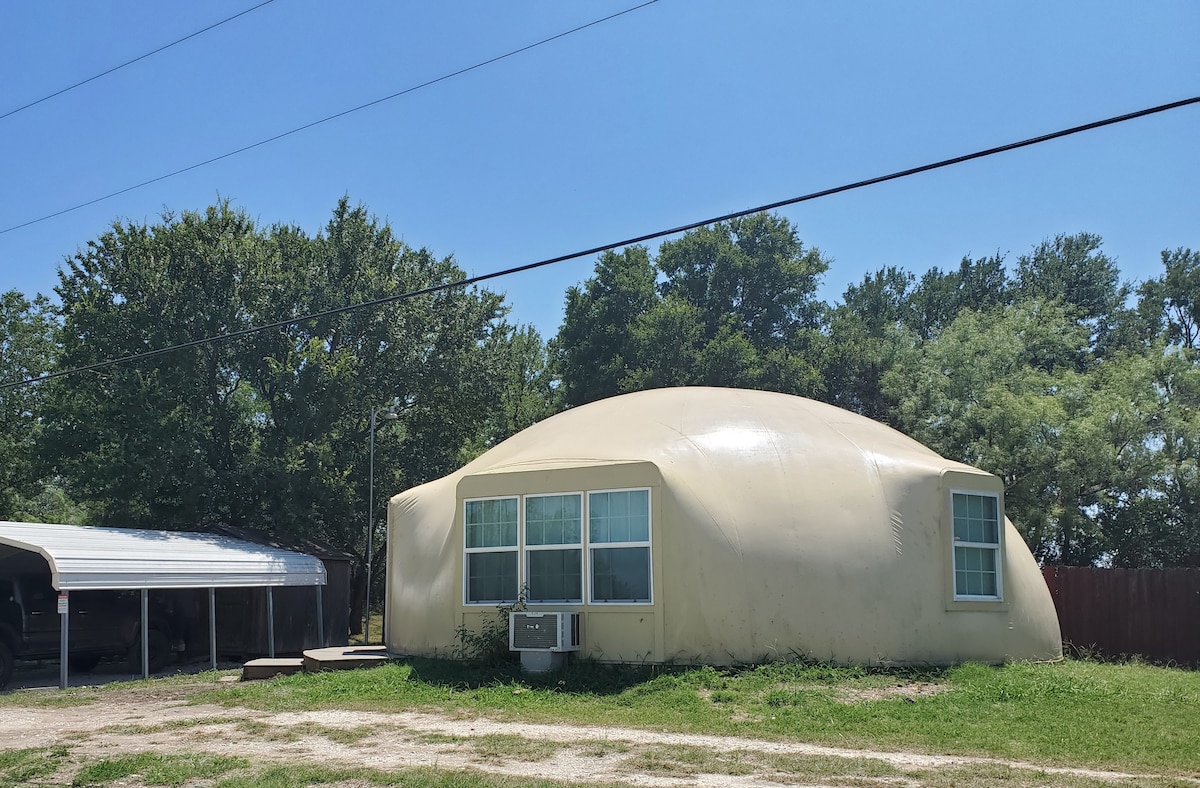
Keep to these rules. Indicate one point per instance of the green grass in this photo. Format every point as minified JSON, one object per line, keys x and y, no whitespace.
{"x":1130,"y":717}
{"x":157,"y":769}
{"x":23,"y":767}
{"x":301,"y":776}
{"x":224,"y":772}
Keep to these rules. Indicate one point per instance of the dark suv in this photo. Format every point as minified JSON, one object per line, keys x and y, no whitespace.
{"x":102,"y":624}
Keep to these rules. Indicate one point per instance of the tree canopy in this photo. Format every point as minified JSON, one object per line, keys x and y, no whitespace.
{"x":1081,"y":391}
{"x":269,"y":430}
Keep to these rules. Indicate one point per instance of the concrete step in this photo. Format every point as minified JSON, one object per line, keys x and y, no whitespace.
{"x":267,"y":668}
{"x":344,"y":658}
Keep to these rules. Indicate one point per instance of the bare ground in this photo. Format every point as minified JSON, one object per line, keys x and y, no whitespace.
{"x":160,"y":720}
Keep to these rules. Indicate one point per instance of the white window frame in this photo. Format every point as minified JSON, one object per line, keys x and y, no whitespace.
{"x":585,"y":545}
{"x":592,"y":547}
{"x":468,"y":551}
{"x":996,"y":547}
{"x":529,"y":548}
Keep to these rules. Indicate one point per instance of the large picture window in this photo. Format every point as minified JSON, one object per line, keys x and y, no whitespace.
{"x":490,"y":532}
{"x":554,"y":548}
{"x":538,"y":544}
{"x":977,"y":528}
{"x":619,"y":539}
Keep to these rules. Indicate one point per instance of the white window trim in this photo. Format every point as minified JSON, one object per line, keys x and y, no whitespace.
{"x":648,"y":544}
{"x":466,"y":576}
{"x":526,"y":548}
{"x":997,"y":547}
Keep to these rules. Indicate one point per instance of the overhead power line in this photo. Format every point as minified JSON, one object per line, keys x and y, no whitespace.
{"x":615,"y":245}
{"x":335,"y":116}
{"x":136,"y":59}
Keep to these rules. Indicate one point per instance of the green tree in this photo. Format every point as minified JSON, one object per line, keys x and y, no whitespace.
{"x":27,"y":348}
{"x":750,"y":275}
{"x":521,"y":365}
{"x":1072,"y":269}
{"x":157,"y":443}
{"x":993,"y":390}
{"x":270,"y":430}
{"x":1170,"y":304}
{"x":593,"y":347}
{"x":867,"y":333}
{"x":734,"y":306}
{"x":940,"y":295}
{"x":439,"y":357}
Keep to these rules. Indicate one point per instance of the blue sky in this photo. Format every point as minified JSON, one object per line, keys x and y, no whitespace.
{"x":679,"y":111}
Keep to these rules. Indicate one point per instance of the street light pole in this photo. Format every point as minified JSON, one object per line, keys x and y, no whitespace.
{"x":388,"y":414}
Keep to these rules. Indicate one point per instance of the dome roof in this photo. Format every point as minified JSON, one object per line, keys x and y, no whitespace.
{"x":717,"y":427}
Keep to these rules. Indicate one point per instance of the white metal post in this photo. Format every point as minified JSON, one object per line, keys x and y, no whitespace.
{"x":64,"y":624}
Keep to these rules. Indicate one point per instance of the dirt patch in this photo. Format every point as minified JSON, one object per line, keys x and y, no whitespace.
{"x":910,"y":690}
{"x":160,"y":720}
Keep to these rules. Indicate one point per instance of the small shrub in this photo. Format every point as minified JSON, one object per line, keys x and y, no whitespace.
{"x":489,"y":645}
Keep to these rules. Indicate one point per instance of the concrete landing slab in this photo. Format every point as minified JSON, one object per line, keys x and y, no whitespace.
{"x":267,"y":668}
{"x":344,"y":658}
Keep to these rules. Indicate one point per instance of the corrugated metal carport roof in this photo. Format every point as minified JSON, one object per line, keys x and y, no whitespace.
{"x":82,"y":557}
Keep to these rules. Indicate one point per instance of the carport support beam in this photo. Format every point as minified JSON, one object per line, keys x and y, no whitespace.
{"x":64,"y":626}
{"x":270,"y":623}
{"x":212,"y":627}
{"x":320,"y":620}
{"x":145,"y":633}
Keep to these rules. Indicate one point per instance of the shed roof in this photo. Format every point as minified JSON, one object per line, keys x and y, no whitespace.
{"x":112,"y":558}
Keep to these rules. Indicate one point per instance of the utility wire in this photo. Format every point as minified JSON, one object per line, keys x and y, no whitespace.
{"x":343,"y":113}
{"x":615,"y":245}
{"x":136,"y":59}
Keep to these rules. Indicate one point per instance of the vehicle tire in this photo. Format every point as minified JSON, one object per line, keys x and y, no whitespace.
{"x":83,"y":663}
{"x":6,"y":665}
{"x":160,"y":651}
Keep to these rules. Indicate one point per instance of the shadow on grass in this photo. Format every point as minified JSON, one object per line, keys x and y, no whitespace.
{"x":595,"y":678}
{"x":581,"y":676}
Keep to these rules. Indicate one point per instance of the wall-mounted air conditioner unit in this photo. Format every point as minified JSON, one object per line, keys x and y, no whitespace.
{"x":543,"y":631}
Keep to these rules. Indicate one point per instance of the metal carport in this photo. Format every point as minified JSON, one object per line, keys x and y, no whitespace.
{"x":82,"y":557}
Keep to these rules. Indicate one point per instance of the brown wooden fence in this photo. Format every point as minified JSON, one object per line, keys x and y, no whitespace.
{"x":1154,"y":613}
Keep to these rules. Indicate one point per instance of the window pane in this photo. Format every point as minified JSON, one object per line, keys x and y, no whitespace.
{"x":974,"y":506}
{"x":621,"y":574}
{"x":555,"y":575}
{"x":619,"y":516}
{"x":975,"y":571}
{"x":553,"y":519}
{"x":976,"y":518}
{"x":491,"y":523}
{"x":492,"y":577}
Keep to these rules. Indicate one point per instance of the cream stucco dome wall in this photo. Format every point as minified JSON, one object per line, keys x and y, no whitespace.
{"x":780,"y":527}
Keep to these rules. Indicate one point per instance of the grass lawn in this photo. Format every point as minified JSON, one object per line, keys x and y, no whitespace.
{"x":1122,"y":717}
{"x":1130,"y":717}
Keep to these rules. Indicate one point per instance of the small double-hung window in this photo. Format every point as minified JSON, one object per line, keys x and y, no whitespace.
{"x":490,"y":531}
{"x":619,"y":545}
{"x":977,"y":529}
{"x":554,"y":547}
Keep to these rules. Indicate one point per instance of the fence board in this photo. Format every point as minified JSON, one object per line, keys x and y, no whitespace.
{"x":1118,"y":612}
